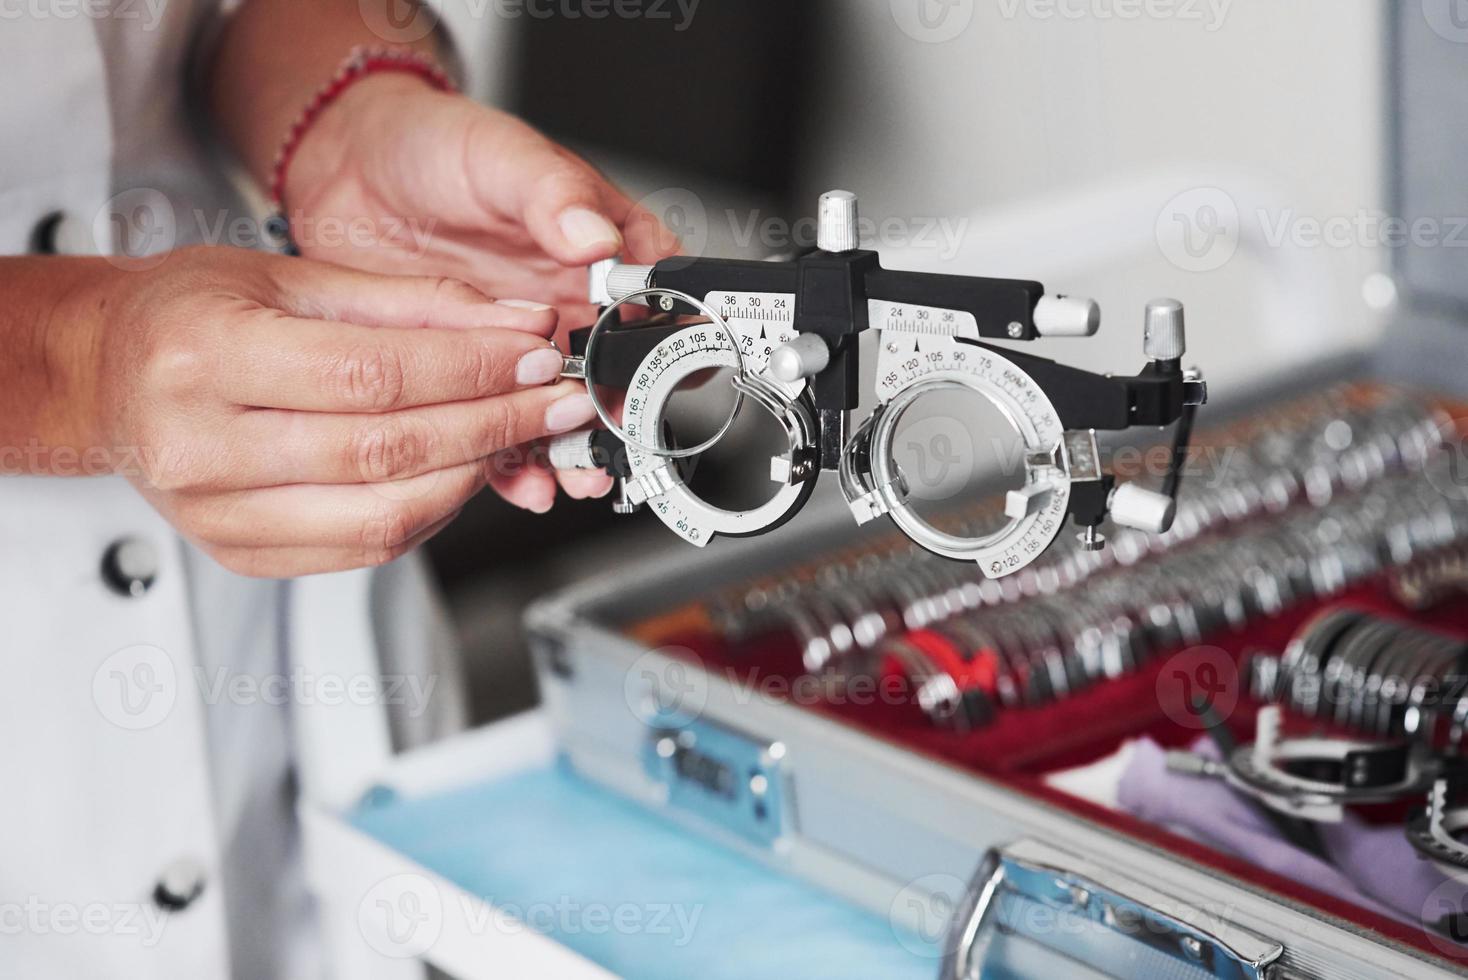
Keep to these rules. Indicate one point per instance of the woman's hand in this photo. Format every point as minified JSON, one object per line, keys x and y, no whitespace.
{"x":470,"y":191}
{"x":293,"y":417}
{"x":397,"y":177}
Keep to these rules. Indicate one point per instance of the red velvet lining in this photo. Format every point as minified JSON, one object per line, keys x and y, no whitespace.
{"x":1022,"y":744}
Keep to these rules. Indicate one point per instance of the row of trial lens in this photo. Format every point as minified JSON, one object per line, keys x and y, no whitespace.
{"x":1293,"y":506}
{"x":1373,"y":674}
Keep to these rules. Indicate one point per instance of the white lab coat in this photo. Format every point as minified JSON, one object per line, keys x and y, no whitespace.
{"x":132,"y":775}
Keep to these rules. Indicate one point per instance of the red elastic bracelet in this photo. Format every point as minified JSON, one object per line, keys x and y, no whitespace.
{"x":362,"y":62}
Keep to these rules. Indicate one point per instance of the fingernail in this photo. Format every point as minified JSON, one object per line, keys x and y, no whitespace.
{"x":567,"y":413}
{"x":523,"y":304}
{"x":539,"y":367}
{"x":585,"y":228}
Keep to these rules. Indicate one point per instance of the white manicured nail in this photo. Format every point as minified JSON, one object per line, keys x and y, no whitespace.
{"x":584,"y":228}
{"x":570,"y":412}
{"x":539,"y":367}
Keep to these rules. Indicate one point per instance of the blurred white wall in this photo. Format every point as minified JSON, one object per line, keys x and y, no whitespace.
{"x":1067,"y":129}
{"x":1227,"y":152}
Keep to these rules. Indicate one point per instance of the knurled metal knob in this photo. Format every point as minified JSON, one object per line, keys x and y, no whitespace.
{"x":836,"y":225}
{"x":596,"y":281}
{"x":573,"y":451}
{"x":625,"y":279}
{"x":624,"y":504}
{"x":1162,"y":334}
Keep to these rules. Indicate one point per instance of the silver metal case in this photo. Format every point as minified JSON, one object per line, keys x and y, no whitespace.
{"x":892,"y":830}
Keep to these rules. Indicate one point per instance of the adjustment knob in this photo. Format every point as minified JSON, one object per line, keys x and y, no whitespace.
{"x":836,"y":222}
{"x":573,"y":451}
{"x":803,"y":357}
{"x":1067,"y":316}
{"x":624,"y":504}
{"x":623,"y":280}
{"x":596,"y":281}
{"x":1019,"y":504}
{"x":1162,"y":334}
{"x":1142,"y":509}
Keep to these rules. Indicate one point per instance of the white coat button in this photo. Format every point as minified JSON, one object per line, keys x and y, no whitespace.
{"x":61,"y":233}
{"x":43,"y":234}
{"x":129,"y":566}
{"x":180,"y":884}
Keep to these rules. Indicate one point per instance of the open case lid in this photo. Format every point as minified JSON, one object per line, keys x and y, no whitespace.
{"x":1427,"y":127}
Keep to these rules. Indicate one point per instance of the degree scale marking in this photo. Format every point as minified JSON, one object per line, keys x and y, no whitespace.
{"x":761,"y":322}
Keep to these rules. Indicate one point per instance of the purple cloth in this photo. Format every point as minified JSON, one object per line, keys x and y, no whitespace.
{"x":1371,"y":866}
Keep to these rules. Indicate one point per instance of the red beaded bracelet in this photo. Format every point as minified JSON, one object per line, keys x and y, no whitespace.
{"x":362,"y":62}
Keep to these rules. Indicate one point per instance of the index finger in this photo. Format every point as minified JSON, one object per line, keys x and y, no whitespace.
{"x":282,"y":361}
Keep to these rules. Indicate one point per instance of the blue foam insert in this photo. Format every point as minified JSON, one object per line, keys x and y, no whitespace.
{"x":577,"y":857}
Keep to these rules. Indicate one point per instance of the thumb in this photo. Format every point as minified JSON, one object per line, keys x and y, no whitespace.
{"x":572,"y":212}
{"x":567,"y":207}
{"x":578,"y":217}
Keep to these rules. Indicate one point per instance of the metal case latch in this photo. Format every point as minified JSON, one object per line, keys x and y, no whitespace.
{"x":721,"y":776}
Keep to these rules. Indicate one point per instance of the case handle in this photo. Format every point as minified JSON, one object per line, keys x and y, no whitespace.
{"x":1035,"y":910}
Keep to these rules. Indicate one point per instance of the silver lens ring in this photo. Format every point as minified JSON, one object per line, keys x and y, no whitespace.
{"x":608,"y":318}
{"x":982,"y":549}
